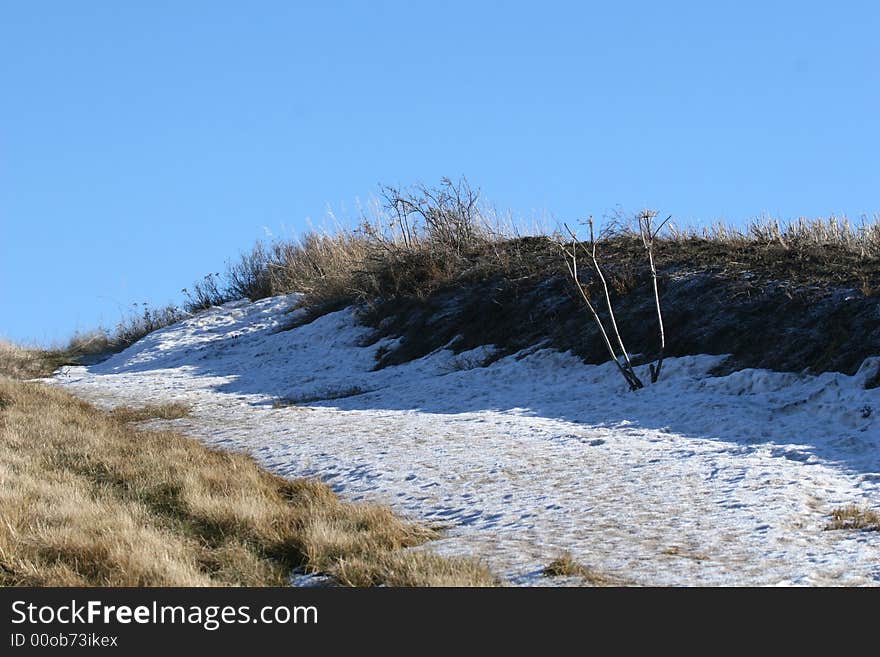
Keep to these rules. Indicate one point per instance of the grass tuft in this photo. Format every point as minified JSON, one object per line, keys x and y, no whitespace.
{"x":21,"y":363}
{"x":566,"y":566}
{"x":853,"y":517}
{"x":168,"y":411}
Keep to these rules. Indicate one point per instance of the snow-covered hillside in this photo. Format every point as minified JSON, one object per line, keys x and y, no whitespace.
{"x":695,"y":480}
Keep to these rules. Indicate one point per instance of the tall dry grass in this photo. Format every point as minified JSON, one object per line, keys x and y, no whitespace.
{"x":861,"y":238}
{"x":144,"y":320}
{"x":26,"y":363}
{"x":87,"y":499}
{"x":419,"y":239}
{"x":416,"y":240}
{"x":22,"y":363}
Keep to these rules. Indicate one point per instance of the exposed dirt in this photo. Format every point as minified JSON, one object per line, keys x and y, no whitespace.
{"x":768,"y":306}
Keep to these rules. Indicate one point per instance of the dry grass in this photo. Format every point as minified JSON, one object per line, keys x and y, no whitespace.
{"x":380,"y":260}
{"x":169,"y":411}
{"x":88,"y":500}
{"x":676,"y":551}
{"x":142,"y":321}
{"x":566,"y":566}
{"x":861,"y":238}
{"x":25,"y":363}
{"x":21,"y":363}
{"x":418,"y":240}
{"x":417,"y":568}
{"x":422,"y":237}
{"x":852,"y":517}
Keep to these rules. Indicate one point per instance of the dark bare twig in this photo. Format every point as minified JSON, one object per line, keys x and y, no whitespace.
{"x":449,"y":214}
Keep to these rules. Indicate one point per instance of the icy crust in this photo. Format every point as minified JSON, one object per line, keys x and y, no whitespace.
{"x":695,"y":480}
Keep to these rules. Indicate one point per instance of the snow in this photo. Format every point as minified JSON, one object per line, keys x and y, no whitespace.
{"x":697,"y":480}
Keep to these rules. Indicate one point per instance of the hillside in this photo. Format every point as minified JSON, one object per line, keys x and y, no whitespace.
{"x":702,"y":478}
{"x":439,"y":363}
{"x":434,"y":270}
{"x":765,"y":307}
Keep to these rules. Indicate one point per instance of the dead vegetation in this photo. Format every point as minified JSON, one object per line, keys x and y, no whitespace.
{"x":422,"y":247}
{"x":422,"y":239}
{"x":648,"y":232}
{"x":566,"y":566}
{"x":420,"y":243}
{"x":21,"y":363}
{"x":166,"y":411}
{"x":853,"y":517}
{"x":83,"y":348}
{"x":677,"y":551}
{"x":87,"y":500}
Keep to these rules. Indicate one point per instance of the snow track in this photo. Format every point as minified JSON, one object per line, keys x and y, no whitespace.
{"x":696,"y":480}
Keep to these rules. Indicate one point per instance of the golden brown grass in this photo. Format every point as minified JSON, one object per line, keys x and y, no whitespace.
{"x":88,"y":500}
{"x":168,"y":411}
{"x":21,"y":363}
{"x":25,"y":363}
{"x":566,"y":566}
{"x":853,"y":517}
{"x":423,"y":238}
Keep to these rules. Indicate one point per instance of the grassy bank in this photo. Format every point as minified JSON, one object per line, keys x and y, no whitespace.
{"x":87,"y":498}
{"x":422,"y":239}
{"x":433,"y":268}
{"x":422,"y":251}
{"x":29,"y":363}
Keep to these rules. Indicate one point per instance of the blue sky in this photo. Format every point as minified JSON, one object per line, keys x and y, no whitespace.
{"x":144,"y":144}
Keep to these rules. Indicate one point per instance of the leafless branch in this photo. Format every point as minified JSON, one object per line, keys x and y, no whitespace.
{"x":624,"y":367}
{"x":648,"y":233}
{"x":598,"y":269}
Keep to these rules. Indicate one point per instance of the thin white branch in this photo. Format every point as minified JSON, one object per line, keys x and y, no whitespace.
{"x":625,"y":369}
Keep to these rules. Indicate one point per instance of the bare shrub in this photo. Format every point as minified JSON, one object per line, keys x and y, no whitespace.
{"x":141,"y":323}
{"x":447,"y":216}
{"x":206,"y":293}
{"x":648,"y":231}
{"x":611,"y":335}
{"x":250,"y":277}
